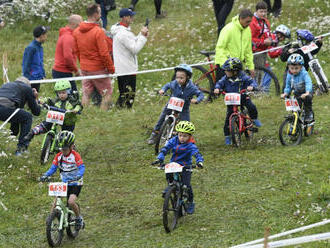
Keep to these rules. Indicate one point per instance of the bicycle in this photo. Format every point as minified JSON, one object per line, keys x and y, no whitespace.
{"x":292,"y":128}
{"x":166,"y":131}
{"x":239,"y":121}
{"x":206,"y":79}
{"x":61,"y":217}
{"x":176,"y":196}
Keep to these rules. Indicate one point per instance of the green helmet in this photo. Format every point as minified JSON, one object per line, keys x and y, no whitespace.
{"x":66,"y":139}
{"x":62,"y":85}
{"x":185,"y":127}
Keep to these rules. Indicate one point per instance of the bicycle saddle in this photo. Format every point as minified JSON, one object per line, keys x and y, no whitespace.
{"x":207,"y":53}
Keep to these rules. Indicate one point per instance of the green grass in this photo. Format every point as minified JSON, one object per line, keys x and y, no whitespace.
{"x":238,"y":194}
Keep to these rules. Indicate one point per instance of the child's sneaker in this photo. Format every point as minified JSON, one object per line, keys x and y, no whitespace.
{"x":152,"y":138}
{"x":257,"y":123}
{"x":228,"y":140}
{"x":20,"y":151}
{"x":79,"y":223}
{"x":191,"y":208}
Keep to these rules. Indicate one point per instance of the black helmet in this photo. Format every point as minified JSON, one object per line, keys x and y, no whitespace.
{"x":232,"y":64}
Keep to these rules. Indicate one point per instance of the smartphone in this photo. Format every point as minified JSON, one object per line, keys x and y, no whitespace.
{"x":147,"y":22}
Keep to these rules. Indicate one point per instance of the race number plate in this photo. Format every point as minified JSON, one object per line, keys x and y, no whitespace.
{"x":58,"y":189}
{"x":308,"y":48}
{"x":173,"y":168}
{"x":176,"y":104}
{"x":291,"y":104}
{"x":233,"y":99}
{"x":55,"y":117}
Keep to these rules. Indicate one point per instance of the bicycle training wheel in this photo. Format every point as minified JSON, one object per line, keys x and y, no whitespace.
{"x":45,"y":151}
{"x":235,"y":134}
{"x":164,"y":135}
{"x":204,"y":81}
{"x":274,"y":79}
{"x":71,"y":229}
{"x":171,"y":209}
{"x":287,"y":138}
{"x":54,"y":235}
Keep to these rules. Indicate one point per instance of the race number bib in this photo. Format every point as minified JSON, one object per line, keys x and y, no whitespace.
{"x":291,"y":104}
{"x":173,"y":168}
{"x":176,"y":104}
{"x":58,"y":189}
{"x":308,"y":48}
{"x":55,"y":117}
{"x":233,"y":99}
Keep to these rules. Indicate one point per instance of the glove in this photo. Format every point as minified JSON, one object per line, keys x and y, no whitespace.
{"x":158,"y":161}
{"x":200,"y":165}
{"x":43,"y":178}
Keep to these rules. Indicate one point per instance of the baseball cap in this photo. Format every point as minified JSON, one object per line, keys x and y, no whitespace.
{"x":126,"y":12}
{"x":40,"y":30}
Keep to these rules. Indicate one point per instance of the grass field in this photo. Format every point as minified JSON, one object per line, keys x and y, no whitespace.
{"x":238,"y":194}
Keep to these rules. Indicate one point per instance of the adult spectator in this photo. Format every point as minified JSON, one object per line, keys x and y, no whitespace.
{"x":222,"y":9}
{"x":158,"y":8}
{"x":33,"y":58}
{"x":276,"y":9}
{"x":126,"y":46}
{"x":235,"y":41}
{"x":92,"y":50}
{"x":106,"y":6}
{"x":65,"y":60}
{"x":14,"y":95}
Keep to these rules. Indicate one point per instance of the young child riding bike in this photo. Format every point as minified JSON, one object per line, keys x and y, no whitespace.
{"x":182,"y":87}
{"x":183,"y":148}
{"x":298,"y":80}
{"x":72,"y":170}
{"x":234,"y":81}
{"x":65,"y":100}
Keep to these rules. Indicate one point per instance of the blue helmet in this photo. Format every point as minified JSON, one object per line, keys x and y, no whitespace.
{"x":295,"y":59}
{"x":283,"y":30}
{"x":304,"y":34}
{"x":232,"y":64}
{"x":184,"y":67}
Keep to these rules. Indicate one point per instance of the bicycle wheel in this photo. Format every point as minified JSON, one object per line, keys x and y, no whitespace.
{"x":235,"y":134}
{"x":54,"y":235}
{"x":164,"y":134}
{"x":45,"y":150}
{"x":71,"y":229}
{"x":171,"y":209}
{"x":203,"y":79}
{"x":273,"y":78}
{"x":248,"y":132}
{"x":324,"y":87}
{"x":285,"y":133}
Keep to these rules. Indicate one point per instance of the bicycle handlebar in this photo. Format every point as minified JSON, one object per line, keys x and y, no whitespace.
{"x":46,"y":106}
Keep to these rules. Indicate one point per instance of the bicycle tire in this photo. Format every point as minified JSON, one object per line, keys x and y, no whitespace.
{"x":45,"y":150}
{"x":204,"y":81}
{"x":324,"y":88}
{"x":235,"y":133}
{"x":71,"y":230}
{"x":51,"y":226}
{"x":163,"y":135}
{"x":284,"y":133}
{"x":273,"y":77}
{"x":171,"y":209}
{"x":248,"y":132}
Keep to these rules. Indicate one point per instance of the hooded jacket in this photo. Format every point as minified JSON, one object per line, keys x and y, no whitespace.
{"x":235,"y":85}
{"x":126,"y":46}
{"x":33,"y":61}
{"x":300,"y":83}
{"x":260,"y":30}
{"x":235,"y":41}
{"x":91,"y":48}
{"x":65,"y":60}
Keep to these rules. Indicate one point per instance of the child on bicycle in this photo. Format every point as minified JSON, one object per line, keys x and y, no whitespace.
{"x":182,"y":87}
{"x":65,"y":100}
{"x":234,"y":81}
{"x":298,"y":80}
{"x":72,"y":170}
{"x":183,"y":148}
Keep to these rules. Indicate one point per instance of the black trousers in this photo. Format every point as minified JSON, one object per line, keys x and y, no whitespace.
{"x":127,"y":89}
{"x":59,"y":74}
{"x":158,"y":5}
{"x":222,"y":9}
{"x":276,"y":6}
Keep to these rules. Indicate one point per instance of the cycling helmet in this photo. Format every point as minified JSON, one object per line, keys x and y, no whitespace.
{"x":232,"y":64}
{"x":184,"y":67}
{"x":66,"y":139}
{"x":295,"y":59}
{"x":304,"y":34}
{"x":62,"y":85}
{"x":283,"y":30}
{"x":185,"y":127}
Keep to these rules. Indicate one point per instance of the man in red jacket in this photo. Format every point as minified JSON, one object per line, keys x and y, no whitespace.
{"x":65,"y":60}
{"x":91,"y":48}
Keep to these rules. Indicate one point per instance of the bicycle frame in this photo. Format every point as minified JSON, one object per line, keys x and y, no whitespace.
{"x":65,"y":211}
{"x":174,"y":116}
{"x":53,"y":132}
{"x":241,"y":117}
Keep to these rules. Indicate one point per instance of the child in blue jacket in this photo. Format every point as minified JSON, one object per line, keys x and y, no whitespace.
{"x":234,"y":81}
{"x":182,"y":87}
{"x":298,"y":80}
{"x":183,"y":148}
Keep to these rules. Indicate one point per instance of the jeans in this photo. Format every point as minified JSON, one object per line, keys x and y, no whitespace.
{"x":59,"y":74}
{"x":186,"y":180}
{"x":184,"y":116}
{"x":20,"y":123}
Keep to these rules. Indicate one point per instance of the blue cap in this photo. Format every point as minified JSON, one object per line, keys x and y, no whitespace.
{"x":126,"y":12}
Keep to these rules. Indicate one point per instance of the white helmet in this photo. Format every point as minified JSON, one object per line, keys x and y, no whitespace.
{"x":283,"y":30}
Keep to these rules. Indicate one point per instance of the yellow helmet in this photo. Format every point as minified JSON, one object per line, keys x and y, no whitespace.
{"x":185,"y":127}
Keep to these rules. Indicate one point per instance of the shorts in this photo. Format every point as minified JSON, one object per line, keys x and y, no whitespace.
{"x":102,"y":85}
{"x":74,"y":190}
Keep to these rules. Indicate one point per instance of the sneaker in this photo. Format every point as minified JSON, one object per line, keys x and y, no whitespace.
{"x":162,"y":14}
{"x":191,"y":208}
{"x":257,"y":123}
{"x":152,"y":138}
{"x":228,"y":140}
{"x":29,"y":136}
{"x":20,"y":151}
{"x":79,"y":223}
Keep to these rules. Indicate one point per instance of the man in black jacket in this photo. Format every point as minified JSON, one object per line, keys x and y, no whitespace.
{"x":14,"y":95}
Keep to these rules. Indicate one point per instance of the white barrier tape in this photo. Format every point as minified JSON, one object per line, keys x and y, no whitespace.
{"x":143,"y":72}
{"x":9,"y":118}
{"x":300,"y":229}
{"x":5,"y":74}
{"x":295,"y":241}
{"x":3,"y":205}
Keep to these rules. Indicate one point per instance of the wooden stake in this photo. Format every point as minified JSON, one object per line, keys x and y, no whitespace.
{"x":267,"y":230}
